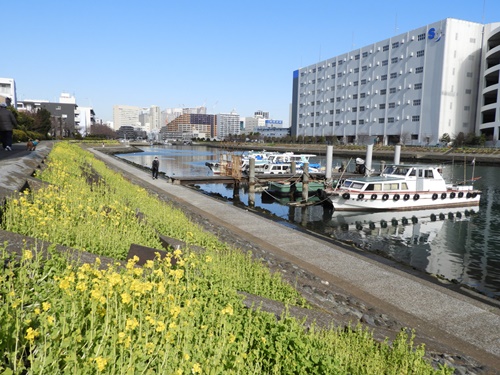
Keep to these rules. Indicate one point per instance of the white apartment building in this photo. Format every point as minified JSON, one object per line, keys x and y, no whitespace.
{"x":8,"y":90}
{"x":125,"y":115}
{"x":227,"y":123}
{"x":252,"y":124}
{"x":410,"y":88}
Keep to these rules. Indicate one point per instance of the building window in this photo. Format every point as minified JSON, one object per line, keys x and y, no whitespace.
{"x":362,"y":95}
{"x":356,"y":83}
{"x":418,"y":86}
{"x":468,"y":91}
{"x":394,"y":60}
{"x":415,"y":118}
{"x":420,"y":53}
{"x":383,"y":77}
{"x":414,"y":137}
{"x":421,"y":36}
{"x":330,"y":123}
{"x":383,"y":92}
{"x":392,"y":105}
{"x":416,"y":102}
{"x":381,"y":120}
{"x":339,"y":75}
{"x":331,"y":111}
{"x":339,"y":87}
{"x":356,"y":57}
{"x":318,"y":102}
{"x":355,"y":109}
{"x":341,"y":62}
{"x":363,"y":81}
{"x":337,"y":111}
{"x":365,"y":54}
{"x":361,"y":122}
{"x":332,"y":100}
{"x":385,"y":62}
{"x":364,"y":68}
{"x":337,"y":123}
{"x":355,"y":96}
{"x":386,"y":48}
{"x":390,"y":120}
{"x":353,"y":122}
{"x":362,"y":108}
{"x":469,"y":74}
{"x":394,"y":75}
{"x":337,"y":99}
{"x":395,"y":45}
{"x":314,"y":70}
{"x":356,"y":70}
{"x":392,"y":90}
{"x":334,"y":64}
{"x":382,"y":106}
{"x":420,"y":69}
{"x":317,"y":113}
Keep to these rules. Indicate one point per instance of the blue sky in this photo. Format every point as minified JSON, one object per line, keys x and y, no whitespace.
{"x":222,"y":54}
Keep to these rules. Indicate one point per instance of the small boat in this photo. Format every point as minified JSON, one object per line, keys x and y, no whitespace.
{"x":286,"y":188}
{"x":401,"y":188}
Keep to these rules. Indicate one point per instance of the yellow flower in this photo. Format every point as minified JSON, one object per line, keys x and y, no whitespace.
{"x":46,"y":306}
{"x":186,"y":357}
{"x":131,"y":324}
{"x":232,"y":338}
{"x":175,"y":311}
{"x":100,"y":362}
{"x":150,"y":347}
{"x":37,"y":311}
{"x":196,"y":368}
{"x":227,"y":310}
{"x":160,"y":327}
{"x":126,"y":298}
{"x":31,"y":334}
{"x":27,"y":255}
{"x":50,"y":319}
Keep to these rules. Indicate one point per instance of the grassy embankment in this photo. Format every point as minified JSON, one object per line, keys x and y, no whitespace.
{"x":59,"y":317}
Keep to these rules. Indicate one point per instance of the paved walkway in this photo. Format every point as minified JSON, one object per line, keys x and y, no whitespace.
{"x":456,"y":320}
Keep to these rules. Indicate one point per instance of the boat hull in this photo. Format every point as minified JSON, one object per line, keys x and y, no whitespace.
{"x":399,"y":201}
{"x":287,"y":188}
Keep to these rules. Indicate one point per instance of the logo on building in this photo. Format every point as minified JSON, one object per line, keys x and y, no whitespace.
{"x":432,"y":33}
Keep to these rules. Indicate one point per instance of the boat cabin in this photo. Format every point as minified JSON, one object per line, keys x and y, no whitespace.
{"x":400,"y":178}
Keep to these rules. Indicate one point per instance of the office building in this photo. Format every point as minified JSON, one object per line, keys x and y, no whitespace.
{"x":8,"y":90}
{"x":411,"y":88}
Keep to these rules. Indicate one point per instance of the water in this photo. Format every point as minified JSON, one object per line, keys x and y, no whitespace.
{"x":460,"y":245}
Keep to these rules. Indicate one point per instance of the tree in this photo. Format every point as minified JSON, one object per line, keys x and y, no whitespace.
{"x":41,"y":121}
{"x":102,"y":130}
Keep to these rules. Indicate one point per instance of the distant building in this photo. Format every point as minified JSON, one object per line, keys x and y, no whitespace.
{"x":8,"y":90}
{"x":227,"y":124}
{"x":410,"y":88}
{"x":125,"y":115}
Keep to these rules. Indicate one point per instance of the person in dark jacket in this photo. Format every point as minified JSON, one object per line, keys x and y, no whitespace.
{"x":155,"y":167}
{"x":7,"y":124}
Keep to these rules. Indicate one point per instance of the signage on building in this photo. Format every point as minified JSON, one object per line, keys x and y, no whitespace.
{"x":432,"y":33}
{"x":274,"y":122}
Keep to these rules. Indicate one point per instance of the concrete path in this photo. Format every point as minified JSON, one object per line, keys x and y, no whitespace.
{"x":453,"y":319}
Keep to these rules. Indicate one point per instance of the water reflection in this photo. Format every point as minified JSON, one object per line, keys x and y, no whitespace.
{"x":463,"y":246}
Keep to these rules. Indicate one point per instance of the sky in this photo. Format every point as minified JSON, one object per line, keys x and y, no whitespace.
{"x":225,"y":55}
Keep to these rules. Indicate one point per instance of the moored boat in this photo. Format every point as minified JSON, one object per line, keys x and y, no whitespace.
{"x":401,"y":188}
{"x":285,"y":188}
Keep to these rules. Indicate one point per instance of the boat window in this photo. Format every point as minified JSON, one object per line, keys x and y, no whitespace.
{"x":428,"y":173}
{"x":347,"y":183}
{"x":357,"y":185}
{"x":404,"y":186}
{"x":412,"y":173}
{"x":374,"y":187}
{"x":391,"y":186}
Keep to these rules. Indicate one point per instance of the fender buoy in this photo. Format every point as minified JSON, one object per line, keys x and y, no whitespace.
{"x":385,"y":197}
{"x":346,"y":195}
{"x":441,"y":216}
{"x":474,"y":195}
{"x":468,"y":195}
{"x":452,"y":195}
{"x":414,"y":219}
{"x":383,"y":223}
{"x":443,"y":195}
{"x":450,"y":215}
{"x":416,"y":197}
{"x":394,"y":222}
{"x":373,"y":197}
{"x":372,"y":225}
{"x":434,"y":196}
{"x":460,"y":194}
{"x":396,"y":197}
{"x":459,"y":214}
{"x":433,"y":217}
{"x":406,"y":197}
{"x":361,"y":196}
{"x":359,"y":226}
{"x":404,"y":221}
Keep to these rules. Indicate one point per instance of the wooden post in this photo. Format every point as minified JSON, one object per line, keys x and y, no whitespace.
{"x":293,"y":167}
{"x":251,"y":183}
{"x":305,"y":182}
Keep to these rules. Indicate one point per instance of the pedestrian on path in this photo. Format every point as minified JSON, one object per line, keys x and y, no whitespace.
{"x":7,"y":124}
{"x":155,"y":167}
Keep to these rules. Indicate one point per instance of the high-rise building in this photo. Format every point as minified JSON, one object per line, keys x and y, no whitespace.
{"x":125,"y":115}
{"x":228,"y":123}
{"x":411,"y":88}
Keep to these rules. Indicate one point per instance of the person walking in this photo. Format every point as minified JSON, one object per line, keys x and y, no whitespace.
{"x":155,"y":167}
{"x":7,"y":124}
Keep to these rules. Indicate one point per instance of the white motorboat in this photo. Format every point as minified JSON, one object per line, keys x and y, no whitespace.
{"x":401,"y":188}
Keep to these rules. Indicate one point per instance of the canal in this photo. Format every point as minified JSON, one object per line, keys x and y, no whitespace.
{"x":461,"y":246}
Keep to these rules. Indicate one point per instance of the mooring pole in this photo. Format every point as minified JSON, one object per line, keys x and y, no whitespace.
{"x":329,"y":162}
{"x":369,"y":156}
{"x":305,"y":182}
{"x":293,"y":166}
{"x":251,"y":183}
{"x":397,"y":154}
